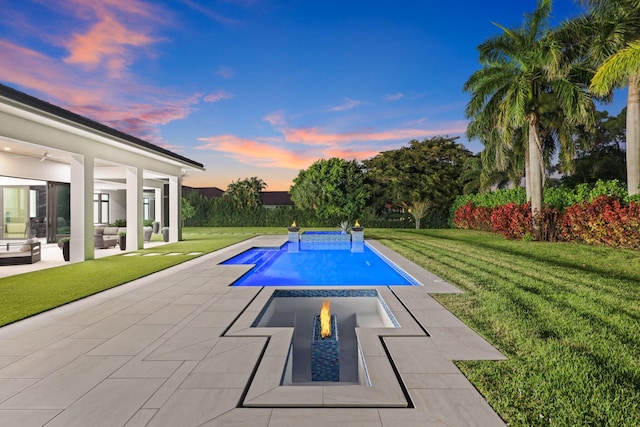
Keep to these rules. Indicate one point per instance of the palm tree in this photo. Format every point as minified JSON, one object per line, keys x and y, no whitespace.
{"x":613,"y":30}
{"x":524,"y":75}
{"x":245,"y":193}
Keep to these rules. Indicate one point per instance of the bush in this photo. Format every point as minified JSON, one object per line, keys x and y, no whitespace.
{"x":512,"y":221}
{"x":604,"y":221}
{"x":473,"y":218}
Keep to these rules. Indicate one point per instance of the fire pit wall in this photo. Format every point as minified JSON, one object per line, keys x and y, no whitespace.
{"x":325,"y":352}
{"x":364,"y":308}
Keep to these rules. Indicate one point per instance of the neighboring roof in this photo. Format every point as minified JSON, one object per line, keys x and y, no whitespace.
{"x":276,"y":198}
{"x":209,"y":192}
{"x":46,"y":107}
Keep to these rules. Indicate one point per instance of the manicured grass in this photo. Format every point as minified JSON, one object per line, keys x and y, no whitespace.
{"x":567,"y":317}
{"x":27,"y":294}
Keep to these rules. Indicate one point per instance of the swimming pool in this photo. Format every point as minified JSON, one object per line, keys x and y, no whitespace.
{"x":320,"y":264}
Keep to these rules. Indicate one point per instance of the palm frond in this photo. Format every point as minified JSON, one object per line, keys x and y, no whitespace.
{"x":616,"y":70}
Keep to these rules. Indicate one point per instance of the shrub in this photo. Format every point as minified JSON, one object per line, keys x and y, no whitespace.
{"x":473,"y":218}
{"x":511,"y":220}
{"x":604,"y":221}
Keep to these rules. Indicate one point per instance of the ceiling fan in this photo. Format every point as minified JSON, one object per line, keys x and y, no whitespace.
{"x":46,"y":156}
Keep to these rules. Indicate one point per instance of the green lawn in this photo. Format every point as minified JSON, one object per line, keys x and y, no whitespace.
{"x":567,"y":316}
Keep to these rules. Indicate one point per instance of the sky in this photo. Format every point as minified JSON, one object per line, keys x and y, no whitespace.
{"x":259,"y":87}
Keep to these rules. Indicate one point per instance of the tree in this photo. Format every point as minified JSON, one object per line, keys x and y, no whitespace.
{"x":601,"y":156}
{"x":245,"y":193}
{"x":187,"y":210}
{"x":524,"y":78}
{"x":611,"y":30}
{"x":421,"y":177}
{"x":333,"y":188}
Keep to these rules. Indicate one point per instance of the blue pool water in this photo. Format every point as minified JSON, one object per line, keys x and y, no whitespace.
{"x":319,"y":264}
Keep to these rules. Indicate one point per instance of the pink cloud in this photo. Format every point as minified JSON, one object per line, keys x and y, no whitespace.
{"x":94,"y":98}
{"x":316,"y":136}
{"x":255,"y":152}
{"x":106,"y":43}
{"x":277,"y":118}
{"x":219,"y":95}
{"x":348,"y":105}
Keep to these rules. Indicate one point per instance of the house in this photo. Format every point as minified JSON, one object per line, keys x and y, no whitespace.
{"x":62,"y":173}
{"x":274,"y":199}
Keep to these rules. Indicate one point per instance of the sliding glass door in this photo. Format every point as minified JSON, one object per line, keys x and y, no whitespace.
{"x":15,"y":212}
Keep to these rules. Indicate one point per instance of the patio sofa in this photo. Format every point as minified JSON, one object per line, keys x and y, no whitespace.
{"x":16,"y":253}
{"x":107,"y":237}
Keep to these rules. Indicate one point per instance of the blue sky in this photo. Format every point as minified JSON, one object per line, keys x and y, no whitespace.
{"x":259,"y":87}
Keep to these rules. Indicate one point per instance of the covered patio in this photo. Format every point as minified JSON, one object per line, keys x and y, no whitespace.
{"x":63,"y":174}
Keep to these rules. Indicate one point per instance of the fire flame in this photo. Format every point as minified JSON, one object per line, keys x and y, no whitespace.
{"x":325,"y":319}
{"x":293,"y":224}
{"x":357,"y":224}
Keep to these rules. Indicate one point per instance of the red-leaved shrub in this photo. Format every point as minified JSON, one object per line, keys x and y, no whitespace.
{"x":604,"y":221}
{"x":473,"y":218}
{"x":511,"y":220}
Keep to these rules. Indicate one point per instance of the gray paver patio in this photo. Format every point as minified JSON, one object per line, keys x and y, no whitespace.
{"x":176,"y":349}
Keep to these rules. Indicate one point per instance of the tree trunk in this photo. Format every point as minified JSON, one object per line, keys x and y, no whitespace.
{"x":527,"y":175}
{"x":633,"y":135}
{"x":535,"y":167}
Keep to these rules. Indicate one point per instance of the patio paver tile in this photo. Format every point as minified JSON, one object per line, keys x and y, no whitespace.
{"x":438,"y":318}
{"x":170,"y":386}
{"x":323,"y":417}
{"x":171,"y":314}
{"x":141,"y":418}
{"x":193,"y":407}
{"x":416,"y":355}
{"x":456,"y":407}
{"x":449,"y":381}
{"x":148,"y":306}
{"x":242,"y":417}
{"x":110,"y":326}
{"x":131,"y":341}
{"x":96,"y":408}
{"x":392,"y":417}
{"x":26,"y":418}
{"x":43,"y":362}
{"x":11,"y":386}
{"x":463,"y":343}
{"x":191,"y":343}
{"x":36,"y":339}
{"x":63,"y":387}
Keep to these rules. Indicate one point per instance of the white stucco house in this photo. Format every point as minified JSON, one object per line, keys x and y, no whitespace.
{"x":61,"y":174}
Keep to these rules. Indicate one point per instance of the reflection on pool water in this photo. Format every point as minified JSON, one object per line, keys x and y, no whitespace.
{"x":320,"y":264}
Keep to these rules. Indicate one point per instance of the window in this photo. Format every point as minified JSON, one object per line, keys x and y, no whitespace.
{"x":145,"y":208}
{"x":148,"y":205}
{"x":101,"y":208}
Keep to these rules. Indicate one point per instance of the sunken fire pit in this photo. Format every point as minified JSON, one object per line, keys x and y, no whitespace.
{"x":325,"y":346}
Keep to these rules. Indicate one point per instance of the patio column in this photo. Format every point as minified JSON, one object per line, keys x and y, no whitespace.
{"x":175,"y":193}
{"x":134,"y":179}
{"x":158,"y":200}
{"x":81,"y":205}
